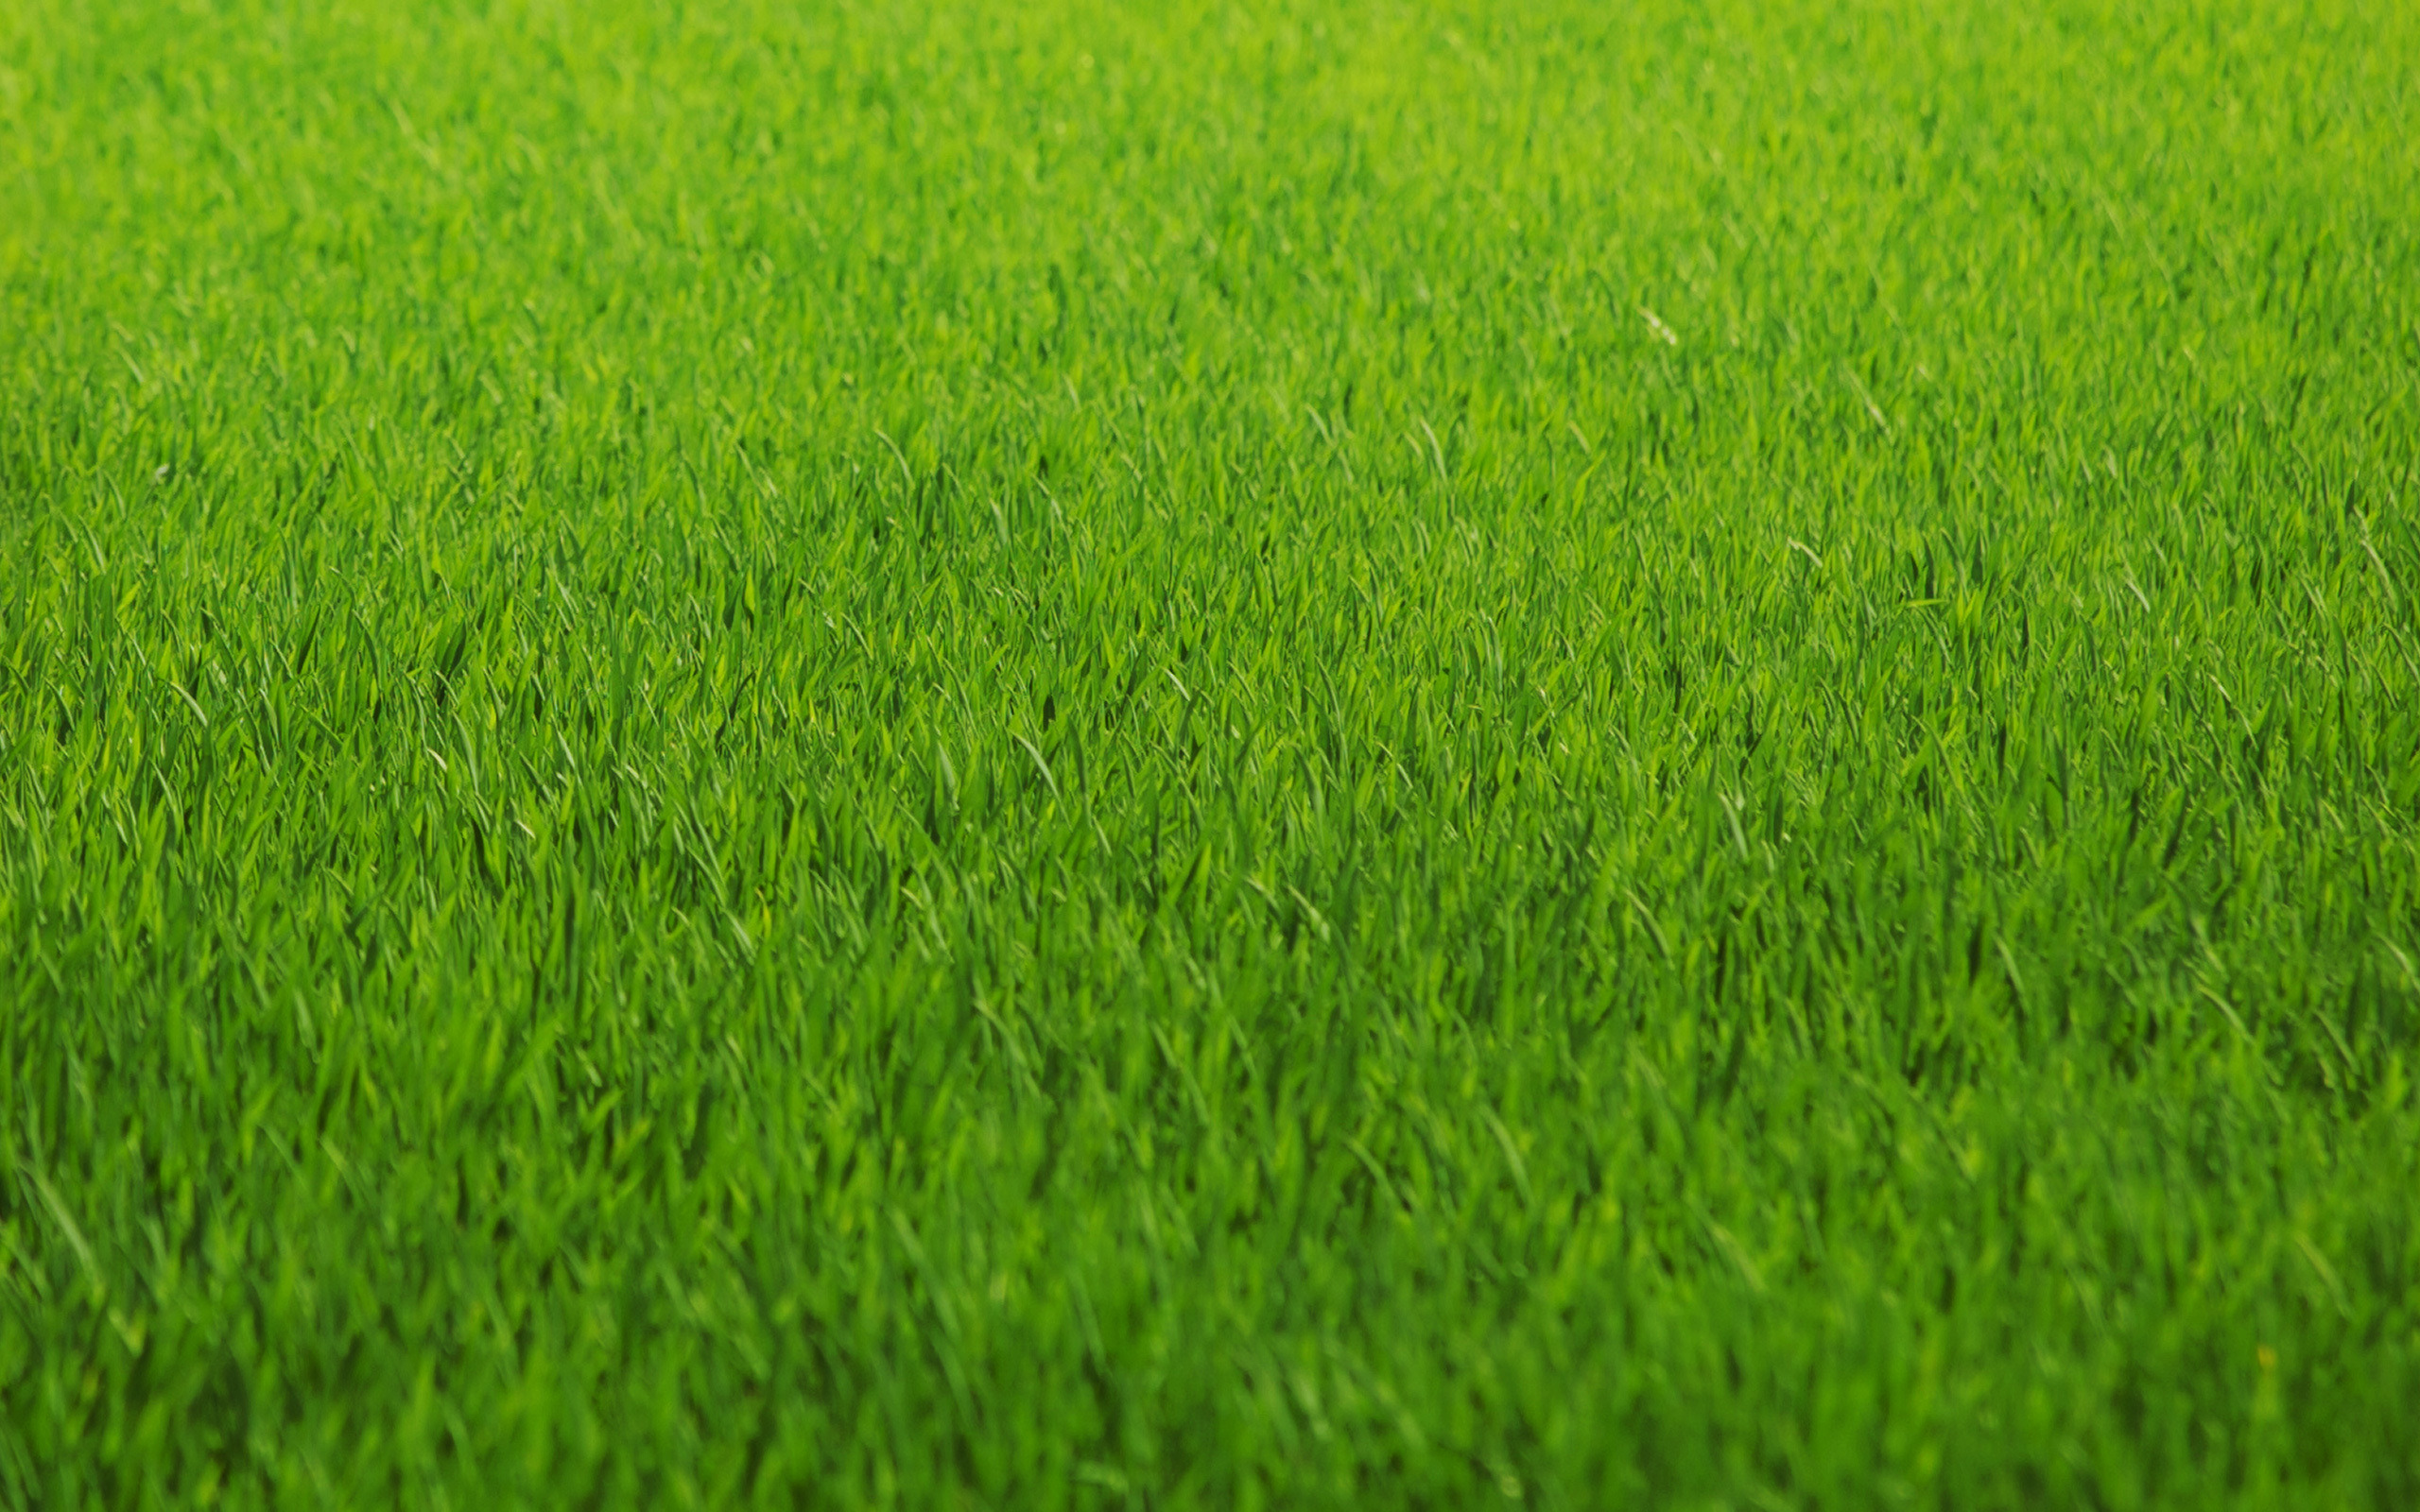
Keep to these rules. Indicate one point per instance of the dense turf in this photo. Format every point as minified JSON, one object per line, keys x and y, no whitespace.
{"x":1333,"y":753}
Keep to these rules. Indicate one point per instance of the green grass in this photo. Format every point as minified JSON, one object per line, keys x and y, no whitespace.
{"x":1301,"y":755}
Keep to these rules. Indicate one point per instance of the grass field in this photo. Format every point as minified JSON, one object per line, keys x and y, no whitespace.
{"x":1296,"y":755}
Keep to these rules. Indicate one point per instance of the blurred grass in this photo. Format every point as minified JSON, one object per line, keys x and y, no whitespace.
{"x":1297,"y":755}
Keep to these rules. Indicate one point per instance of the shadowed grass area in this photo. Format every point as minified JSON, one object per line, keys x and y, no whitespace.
{"x":1298,"y":755}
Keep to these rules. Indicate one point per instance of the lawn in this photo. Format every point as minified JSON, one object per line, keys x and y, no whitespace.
{"x":1301,"y":754}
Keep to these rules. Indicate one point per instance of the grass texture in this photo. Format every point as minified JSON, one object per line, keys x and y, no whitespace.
{"x":1299,"y":754}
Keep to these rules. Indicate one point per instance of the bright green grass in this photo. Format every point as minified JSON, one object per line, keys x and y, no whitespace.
{"x":983,"y":755}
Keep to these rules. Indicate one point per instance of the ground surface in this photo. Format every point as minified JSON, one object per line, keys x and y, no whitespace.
{"x":1296,"y":755}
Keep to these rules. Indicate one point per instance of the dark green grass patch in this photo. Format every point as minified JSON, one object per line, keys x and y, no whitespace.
{"x":1305,"y":755}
